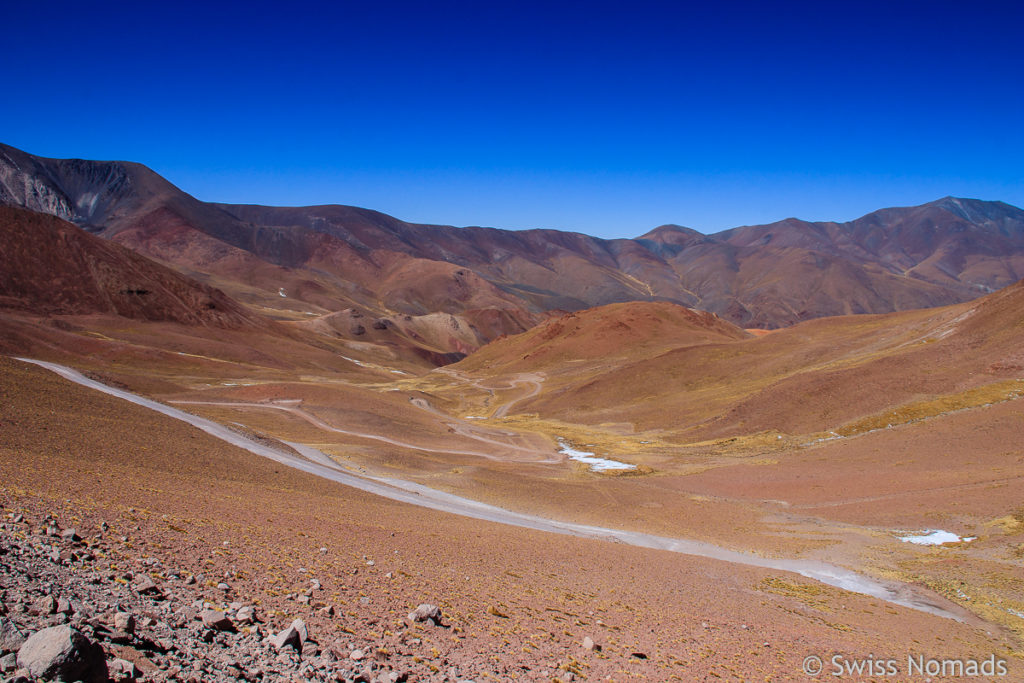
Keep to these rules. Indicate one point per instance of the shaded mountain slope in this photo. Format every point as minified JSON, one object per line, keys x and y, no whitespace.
{"x":50,"y":266}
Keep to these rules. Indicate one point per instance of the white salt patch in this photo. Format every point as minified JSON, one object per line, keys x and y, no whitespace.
{"x":596,"y":464}
{"x":934,"y":537}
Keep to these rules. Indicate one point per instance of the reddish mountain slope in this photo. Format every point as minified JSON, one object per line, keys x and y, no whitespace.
{"x":613,"y":334}
{"x":329,"y":258}
{"x":50,"y":266}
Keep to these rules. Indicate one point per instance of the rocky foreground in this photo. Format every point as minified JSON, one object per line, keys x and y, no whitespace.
{"x":75,"y":609}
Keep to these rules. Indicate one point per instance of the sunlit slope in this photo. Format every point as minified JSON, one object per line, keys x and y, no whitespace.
{"x":620,"y":332}
{"x":814,"y":377}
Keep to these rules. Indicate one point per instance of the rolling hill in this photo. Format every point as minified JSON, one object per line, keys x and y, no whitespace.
{"x":694,"y":382}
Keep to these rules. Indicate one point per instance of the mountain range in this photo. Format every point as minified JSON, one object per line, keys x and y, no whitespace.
{"x":449,"y":290}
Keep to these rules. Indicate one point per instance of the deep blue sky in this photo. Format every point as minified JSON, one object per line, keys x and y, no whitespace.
{"x":606,"y":118}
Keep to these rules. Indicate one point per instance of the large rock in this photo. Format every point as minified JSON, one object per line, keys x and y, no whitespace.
{"x":426,"y":612}
{"x":293,"y":636}
{"x":11,"y":637}
{"x":63,"y":654}
{"x":287,"y":638}
{"x":300,"y":626}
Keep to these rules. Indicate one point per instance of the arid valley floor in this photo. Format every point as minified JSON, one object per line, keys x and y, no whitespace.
{"x":519,"y":602}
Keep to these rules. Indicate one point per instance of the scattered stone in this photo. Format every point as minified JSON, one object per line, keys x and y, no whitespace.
{"x":145,"y":586}
{"x":8,"y":663}
{"x":218,"y":621}
{"x":124,"y":622}
{"x":356,"y":655}
{"x":589,"y":644}
{"x":46,"y":605}
{"x":70,"y":535}
{"x":245,"y":615}
{"x":123,"y":670}
{"x":11,"y":637}
{"x":64,"y":654}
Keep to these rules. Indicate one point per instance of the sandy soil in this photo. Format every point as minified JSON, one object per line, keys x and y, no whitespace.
{"x":181,"y":494}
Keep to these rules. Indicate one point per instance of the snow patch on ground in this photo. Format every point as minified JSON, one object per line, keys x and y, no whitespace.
{"x":935,"y":537}
{"x":596,"y":464}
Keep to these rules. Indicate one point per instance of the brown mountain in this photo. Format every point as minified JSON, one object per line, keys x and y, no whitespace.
{"x":603,"y":336}
{"x":294,"y":263}
{"x":49,"y":266}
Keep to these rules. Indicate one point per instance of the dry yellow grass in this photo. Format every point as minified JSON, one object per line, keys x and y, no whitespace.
{"x":995,"y":392}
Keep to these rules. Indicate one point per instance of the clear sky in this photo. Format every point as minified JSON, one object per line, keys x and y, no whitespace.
{"x":604,"y":118}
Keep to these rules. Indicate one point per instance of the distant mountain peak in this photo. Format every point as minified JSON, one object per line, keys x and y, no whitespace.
{"x":670,"y":232}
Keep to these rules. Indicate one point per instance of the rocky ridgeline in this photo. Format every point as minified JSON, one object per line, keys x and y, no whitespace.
{"x":68,"y":613}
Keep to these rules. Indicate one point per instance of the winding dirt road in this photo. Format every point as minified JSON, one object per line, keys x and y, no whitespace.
{"x":319,"y":464}
{"x":461,"y":427}
{"x":534,"y":379}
